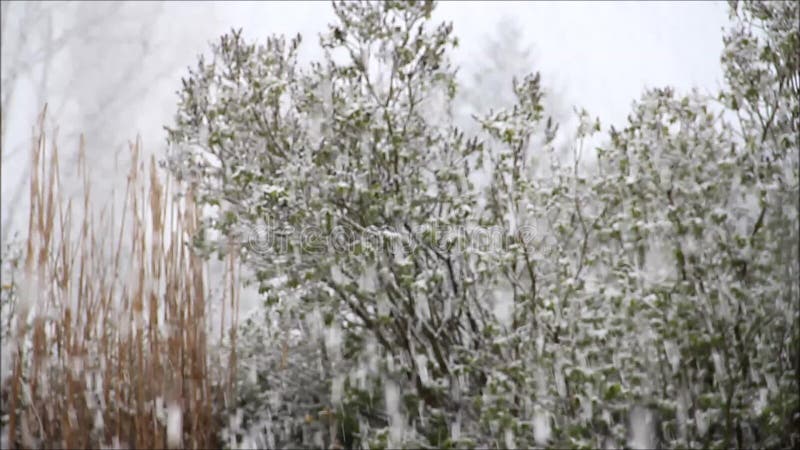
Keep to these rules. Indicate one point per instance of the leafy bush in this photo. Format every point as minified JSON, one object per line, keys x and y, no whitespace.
{"x":648,"y":299}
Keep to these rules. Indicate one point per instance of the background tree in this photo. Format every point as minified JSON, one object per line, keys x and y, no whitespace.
{"x":487,"y":82}
{"x":92,"y":64}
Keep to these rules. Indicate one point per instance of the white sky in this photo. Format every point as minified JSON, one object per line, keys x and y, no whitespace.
{"x":601,"y":55}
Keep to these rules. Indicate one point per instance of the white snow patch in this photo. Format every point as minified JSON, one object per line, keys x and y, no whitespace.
{"x":392,"y":400}
{"x":504,"y":309}
{"x":673,"y":355}
{"x":509,"y":438}
{"x":641,"y":429}
{"x":701,"y":422}
{"x":98,"y":420}
{"x":333,"y":342}
{"x":337,"y":389}
{"x":541,"y":427}
{"x":174,"y":425}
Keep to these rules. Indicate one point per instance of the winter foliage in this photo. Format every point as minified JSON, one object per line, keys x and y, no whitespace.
{"x":645,"y":297}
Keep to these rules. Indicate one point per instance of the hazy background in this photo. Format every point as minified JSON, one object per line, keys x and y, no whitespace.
{"x":111,"y":70}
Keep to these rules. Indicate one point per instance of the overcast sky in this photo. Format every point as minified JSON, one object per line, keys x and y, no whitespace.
{"x":600,"y":55}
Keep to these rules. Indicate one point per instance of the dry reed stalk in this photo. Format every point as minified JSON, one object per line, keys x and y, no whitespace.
{"x":111,"y":333}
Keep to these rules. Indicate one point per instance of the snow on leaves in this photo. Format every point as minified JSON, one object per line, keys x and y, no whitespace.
{"x":654,"y":304}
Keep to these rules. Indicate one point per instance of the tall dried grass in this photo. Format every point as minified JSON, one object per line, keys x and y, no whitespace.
{"x":111,"y":341}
